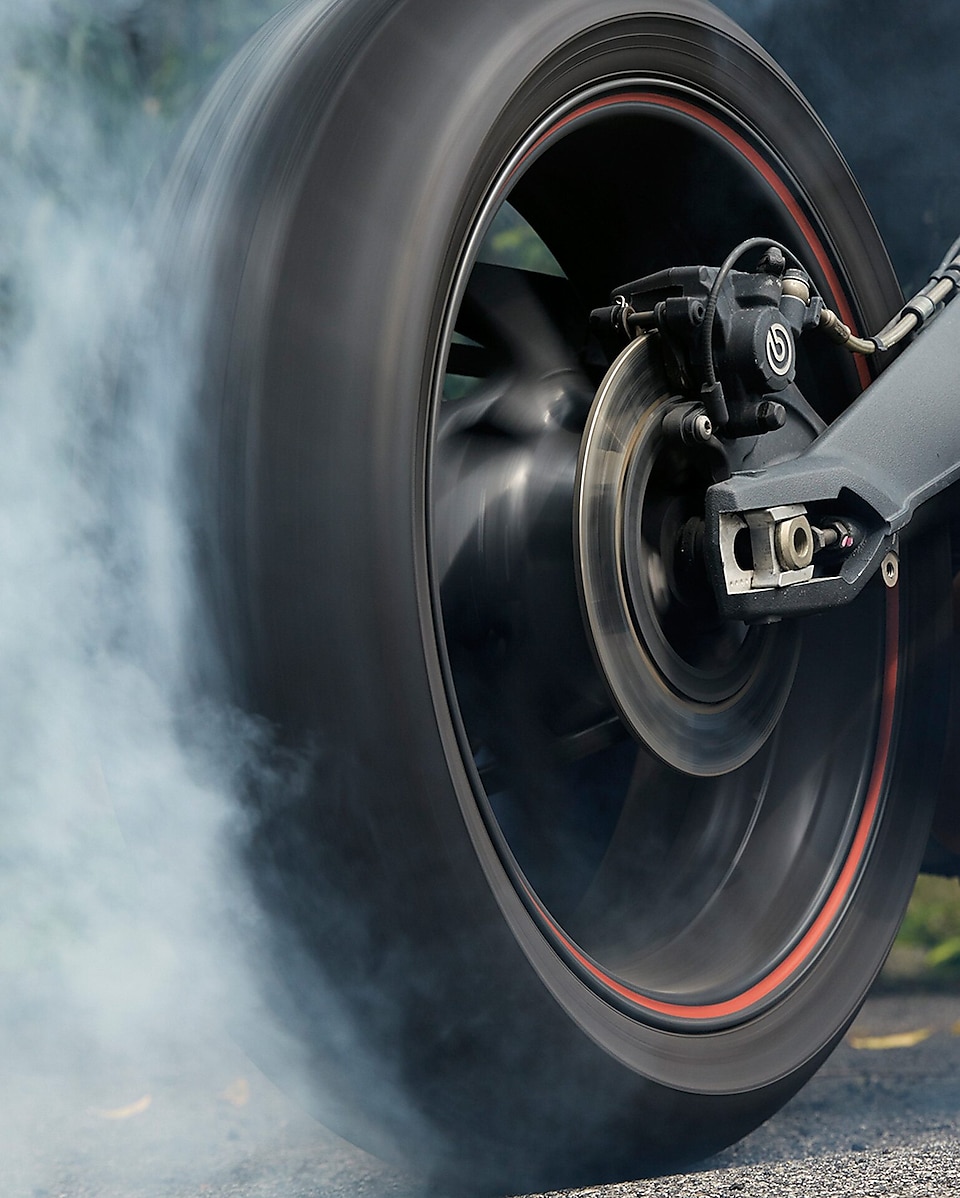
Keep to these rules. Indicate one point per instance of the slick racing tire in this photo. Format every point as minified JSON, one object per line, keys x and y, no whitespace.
{"x":558,"y":948}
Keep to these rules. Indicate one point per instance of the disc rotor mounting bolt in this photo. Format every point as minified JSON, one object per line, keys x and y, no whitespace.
{"x":689,"y":564}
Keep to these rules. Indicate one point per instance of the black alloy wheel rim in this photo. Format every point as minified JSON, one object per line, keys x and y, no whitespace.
{"x":688,"y":898}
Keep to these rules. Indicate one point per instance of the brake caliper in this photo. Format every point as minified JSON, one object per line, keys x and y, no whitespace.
{"x":729,"y":342}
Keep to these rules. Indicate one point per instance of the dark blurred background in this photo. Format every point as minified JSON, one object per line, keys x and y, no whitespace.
{"x":881,"y":73}
{"x":882,"y":76}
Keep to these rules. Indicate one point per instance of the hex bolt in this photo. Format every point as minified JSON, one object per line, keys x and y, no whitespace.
{"x":770,"y":416}
{"x":795,"y":543}
{"x":890,"y":569}
{"x":690,"y":424}
{"x":824,"y":538}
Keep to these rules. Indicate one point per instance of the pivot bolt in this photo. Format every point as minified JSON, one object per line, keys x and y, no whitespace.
{"x":770,"y":416}
{"x":690,"y":424}
{"x":890,"y":569}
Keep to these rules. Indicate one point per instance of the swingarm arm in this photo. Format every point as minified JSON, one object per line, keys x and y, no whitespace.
{"x":895,"y":448}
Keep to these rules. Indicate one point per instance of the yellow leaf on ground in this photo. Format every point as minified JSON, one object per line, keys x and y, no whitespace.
{"x":955,"y":1029}
{"x":127,"y":1112}
{"x":895,"y":1040}
{"x":237,"y":1093}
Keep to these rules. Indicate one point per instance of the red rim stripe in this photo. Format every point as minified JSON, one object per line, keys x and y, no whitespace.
{"x":831,"y":908}
{"x":817,"y":932}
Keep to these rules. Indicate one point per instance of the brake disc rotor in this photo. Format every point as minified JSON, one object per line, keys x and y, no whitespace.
{"x":702,"y":693}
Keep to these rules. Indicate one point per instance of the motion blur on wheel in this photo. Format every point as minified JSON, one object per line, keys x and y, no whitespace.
{"x":622,"y":850}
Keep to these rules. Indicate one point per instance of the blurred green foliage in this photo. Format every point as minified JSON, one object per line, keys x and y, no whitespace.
{"x":928,"y":946}
{"x":91,"y":93}
{"x":156,"y":54}
{"x":95,"y":86}
{"x":512,"y":242}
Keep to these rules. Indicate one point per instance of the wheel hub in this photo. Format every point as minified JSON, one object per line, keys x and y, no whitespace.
{"x":701,"y":692}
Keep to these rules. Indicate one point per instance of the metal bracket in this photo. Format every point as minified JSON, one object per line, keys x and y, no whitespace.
{"x":765,"y":566}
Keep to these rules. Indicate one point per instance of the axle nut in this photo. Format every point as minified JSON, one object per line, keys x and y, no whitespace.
{"x":794,"y":542}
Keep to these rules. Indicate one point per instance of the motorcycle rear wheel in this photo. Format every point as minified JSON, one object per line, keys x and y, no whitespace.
{"x":562,"y":958}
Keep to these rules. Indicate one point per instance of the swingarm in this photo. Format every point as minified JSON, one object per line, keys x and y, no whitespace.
{"x":800,"y":514}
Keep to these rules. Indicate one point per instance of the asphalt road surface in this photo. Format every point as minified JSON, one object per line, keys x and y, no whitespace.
{"x":882,"y":1118}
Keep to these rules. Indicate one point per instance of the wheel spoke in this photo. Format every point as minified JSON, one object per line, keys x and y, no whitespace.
{"x":474,"y":413}
{"x":505,"y":454}
{"x":573,"y":747}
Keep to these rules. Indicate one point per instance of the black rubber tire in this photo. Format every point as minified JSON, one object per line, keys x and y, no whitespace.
{"x":326,"y":199}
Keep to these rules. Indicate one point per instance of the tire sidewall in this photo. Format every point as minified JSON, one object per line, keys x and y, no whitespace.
{"x":332,"y":436}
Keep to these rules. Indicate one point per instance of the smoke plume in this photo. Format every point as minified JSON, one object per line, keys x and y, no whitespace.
{"x":124,"y":922}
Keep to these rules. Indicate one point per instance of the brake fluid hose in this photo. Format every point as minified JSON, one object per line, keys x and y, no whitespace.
{"x":920,"y":310}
